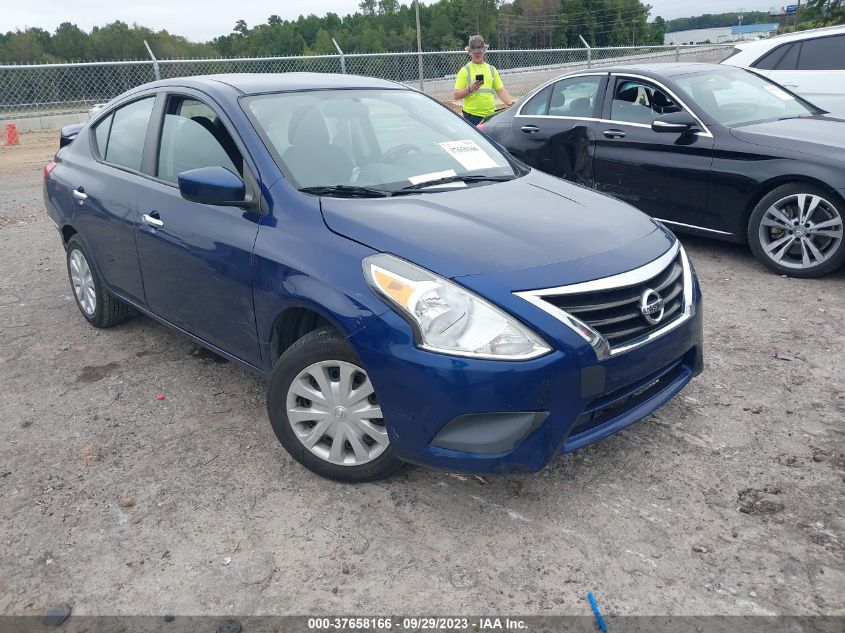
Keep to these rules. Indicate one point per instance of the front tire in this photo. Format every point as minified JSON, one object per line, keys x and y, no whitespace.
{"x":93,"y":299}
{"x":324,"y":410}
{"x":796,"y":230}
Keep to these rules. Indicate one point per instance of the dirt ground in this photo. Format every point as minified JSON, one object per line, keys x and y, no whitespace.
{"x":729,"y":500}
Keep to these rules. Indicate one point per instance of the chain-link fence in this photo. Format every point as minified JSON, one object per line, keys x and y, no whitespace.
{"x":41,"y":90}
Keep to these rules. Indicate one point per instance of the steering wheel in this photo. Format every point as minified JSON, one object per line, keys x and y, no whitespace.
{"x":399,"y":150}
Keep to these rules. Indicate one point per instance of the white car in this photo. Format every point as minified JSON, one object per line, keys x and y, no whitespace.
{"x":809,"y":63}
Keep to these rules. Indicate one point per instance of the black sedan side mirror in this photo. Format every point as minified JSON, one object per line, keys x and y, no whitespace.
{"x":676,"y":122}
{"x":212,"y":185}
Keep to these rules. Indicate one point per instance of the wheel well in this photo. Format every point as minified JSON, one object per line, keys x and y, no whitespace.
{"x":292,"y":325}
{"x":767,"y":187}
{"x":67,"y":233}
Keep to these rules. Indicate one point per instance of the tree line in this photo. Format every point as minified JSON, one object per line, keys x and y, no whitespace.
{"x":715,"y":20}
{"x":377,"y":26}
{"x":386,"y":25}
{"x":813,"y":14}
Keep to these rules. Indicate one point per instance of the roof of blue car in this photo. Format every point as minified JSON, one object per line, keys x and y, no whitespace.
{"x":254,"y":83}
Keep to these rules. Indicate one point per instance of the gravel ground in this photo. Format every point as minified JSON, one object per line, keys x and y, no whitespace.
{"x":727,"y":501}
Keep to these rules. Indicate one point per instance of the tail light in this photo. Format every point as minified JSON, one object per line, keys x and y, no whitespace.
{"x":48,"y":168}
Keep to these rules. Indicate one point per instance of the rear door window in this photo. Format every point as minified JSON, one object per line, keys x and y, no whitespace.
{"x":101,"y":135}
{"x":770,"y":60}
{"x":790,"y":58}
{"x":128,"y":134}
{"x":824,"y":53}
{"x":574,"y":97}
{"x":538,"y":105}
{"x":193,"y":136}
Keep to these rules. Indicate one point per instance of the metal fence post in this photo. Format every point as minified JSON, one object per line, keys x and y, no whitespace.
{"x":589,"y":52}
{"x":342,"y":56}
{"x":155,"y":61}
{"x":419,"y":45}
{"x":678,"y":53}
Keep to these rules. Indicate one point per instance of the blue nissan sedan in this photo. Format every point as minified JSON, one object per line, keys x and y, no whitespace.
{"x":412,"y":292}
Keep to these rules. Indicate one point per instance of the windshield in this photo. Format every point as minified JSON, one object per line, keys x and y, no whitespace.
{"x":736,"y":97}
{"x":377,"y":139}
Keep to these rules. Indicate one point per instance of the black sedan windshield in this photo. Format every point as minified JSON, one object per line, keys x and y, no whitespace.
{"x":375,"y":139}
{"x":737,"y":97}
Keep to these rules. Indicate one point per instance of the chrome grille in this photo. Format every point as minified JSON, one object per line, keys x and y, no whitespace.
{"x":616,"y":313}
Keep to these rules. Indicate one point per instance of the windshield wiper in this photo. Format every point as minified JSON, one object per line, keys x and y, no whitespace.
{"x":448,"y":179}
{"x":346,"y":191}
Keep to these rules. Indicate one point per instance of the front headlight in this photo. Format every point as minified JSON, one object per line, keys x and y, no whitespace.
{"x":448,"y":318}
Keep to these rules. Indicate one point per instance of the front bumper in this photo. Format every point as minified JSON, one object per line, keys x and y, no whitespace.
{"x":553,"y":401}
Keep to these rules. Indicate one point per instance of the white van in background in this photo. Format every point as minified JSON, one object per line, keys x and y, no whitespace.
{"x":809,"y":63}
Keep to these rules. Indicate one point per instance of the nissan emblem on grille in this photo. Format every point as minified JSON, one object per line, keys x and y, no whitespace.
{"x":651,"y":306}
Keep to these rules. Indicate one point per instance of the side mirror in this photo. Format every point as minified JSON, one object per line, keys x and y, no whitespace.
{"x":212,"y":185}
{"x":674,"y":122}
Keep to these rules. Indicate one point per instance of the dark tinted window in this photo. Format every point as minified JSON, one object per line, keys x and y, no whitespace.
{"x":790,"y":58}
{"x":101,"y":135}
{"x":128,"y":133}
{"x":640,"y":102}
{"x":824,"y":53}
{"x":574,"y":96}
{"x":193,"y":136}
{"x":539,"y":103}
{"x":770,"y":60}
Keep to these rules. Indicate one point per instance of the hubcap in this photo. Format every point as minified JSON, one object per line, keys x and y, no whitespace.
{"x":802,"y":230}
{"x":83,"y":282}
{"x":334,"y":412}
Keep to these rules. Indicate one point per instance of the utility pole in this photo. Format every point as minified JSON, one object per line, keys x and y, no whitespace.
{"x":419,"y":44}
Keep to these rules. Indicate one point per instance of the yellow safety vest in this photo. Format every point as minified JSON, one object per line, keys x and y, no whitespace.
{"x":482,"y":102}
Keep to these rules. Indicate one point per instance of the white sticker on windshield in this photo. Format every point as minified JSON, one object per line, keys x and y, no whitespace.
{"x":435,"y":175}
{"x":780,"y":94}
{"x":469,"y":155}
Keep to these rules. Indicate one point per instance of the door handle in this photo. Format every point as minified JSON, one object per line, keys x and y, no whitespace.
{"x":789,"y":85}
{"x":150,"y":219}
{"x":530,"y":129}
{"x":79,"y":194}
{"x":614,"y":134}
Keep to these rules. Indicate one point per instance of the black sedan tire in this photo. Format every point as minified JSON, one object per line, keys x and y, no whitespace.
{"x":796,"y":230}
{"x":324,"y":410}
{"x":95,"y":302}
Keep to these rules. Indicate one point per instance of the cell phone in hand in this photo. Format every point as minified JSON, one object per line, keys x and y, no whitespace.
{"x":479,"y":77}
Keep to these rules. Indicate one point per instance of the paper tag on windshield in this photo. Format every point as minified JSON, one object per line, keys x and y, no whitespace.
{"x":469,"y":155}
{"x":780,"y":94}
{"x":435,"y":175}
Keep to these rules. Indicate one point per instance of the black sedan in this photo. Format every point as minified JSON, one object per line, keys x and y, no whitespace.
{"x":705,"y":148}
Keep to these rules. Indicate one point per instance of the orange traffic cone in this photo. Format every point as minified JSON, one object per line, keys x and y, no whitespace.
{"x":12,"y":135}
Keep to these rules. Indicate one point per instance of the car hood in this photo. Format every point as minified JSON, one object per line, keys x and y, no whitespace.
{"x":822,"y":136}
{"x":528,"y":222}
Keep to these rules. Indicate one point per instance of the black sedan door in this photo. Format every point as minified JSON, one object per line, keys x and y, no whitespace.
{"x":555,"y":130}
{"x":663,"y":174}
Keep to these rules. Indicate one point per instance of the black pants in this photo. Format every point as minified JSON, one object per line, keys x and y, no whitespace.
{"x":472,"y":118}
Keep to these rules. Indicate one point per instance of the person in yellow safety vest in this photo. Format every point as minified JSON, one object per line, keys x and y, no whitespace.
{"x":478,"y":82}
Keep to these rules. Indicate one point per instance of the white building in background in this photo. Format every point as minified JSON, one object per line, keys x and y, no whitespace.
{"x":719,"y":35}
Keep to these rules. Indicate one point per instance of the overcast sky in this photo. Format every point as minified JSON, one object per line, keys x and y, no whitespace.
{"x":200,"y":20}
